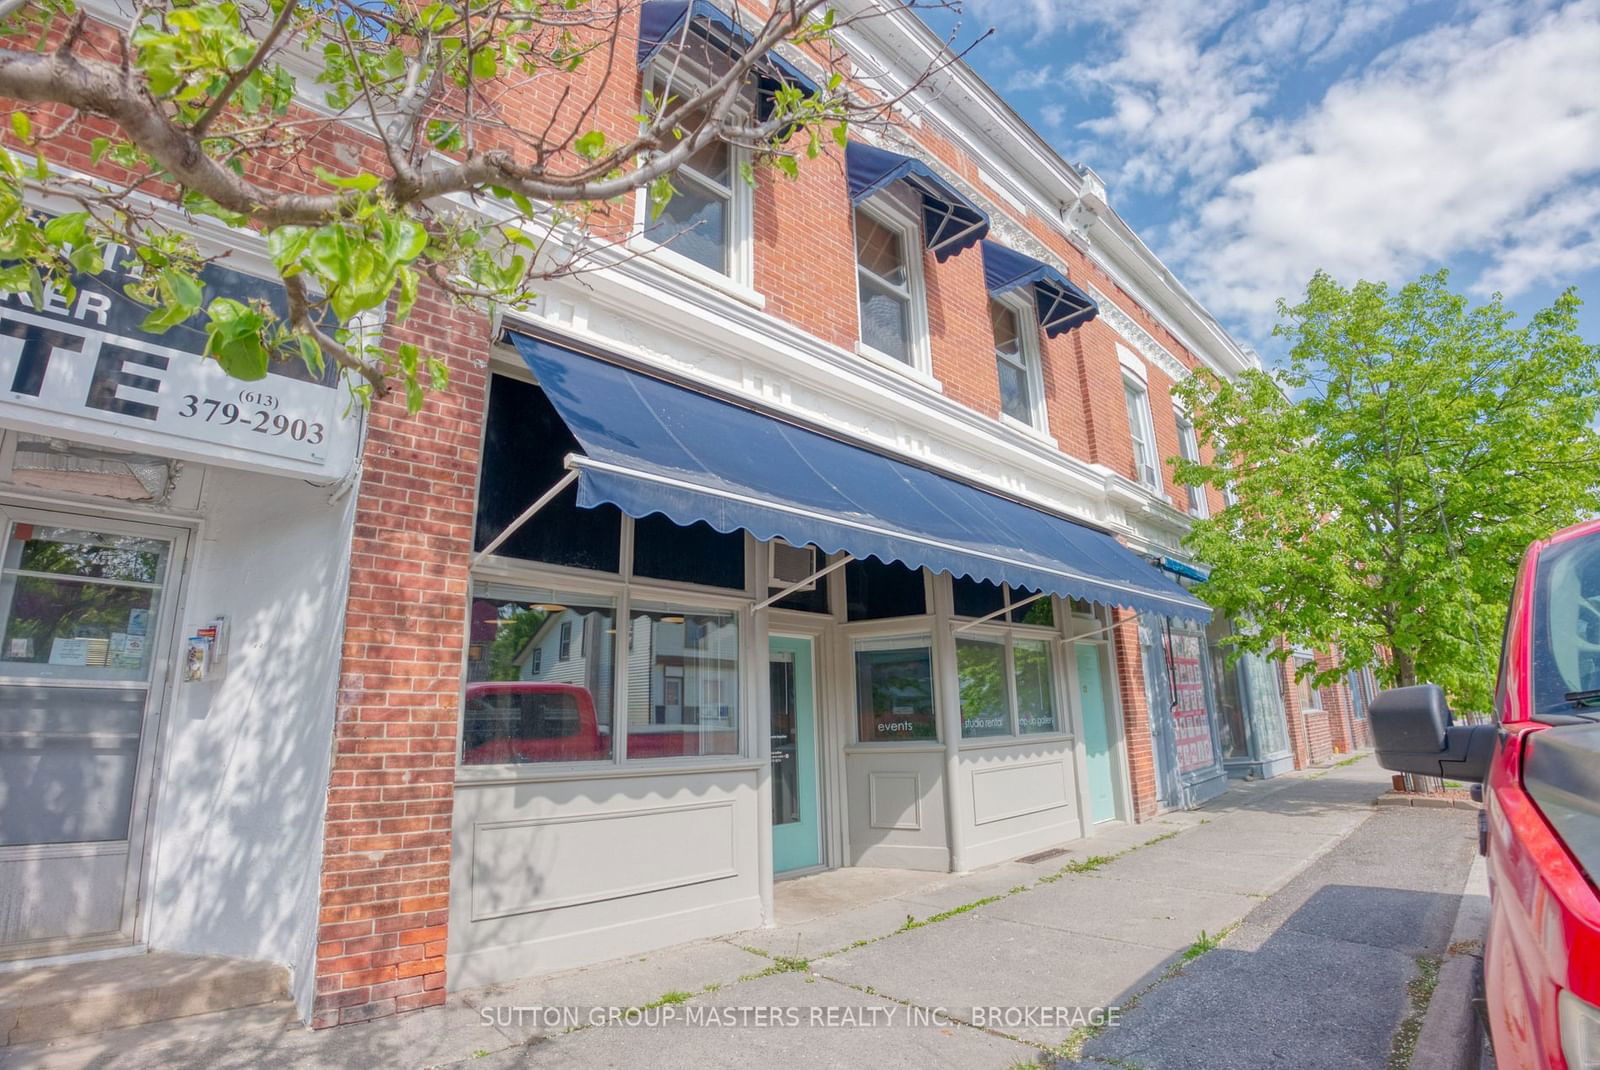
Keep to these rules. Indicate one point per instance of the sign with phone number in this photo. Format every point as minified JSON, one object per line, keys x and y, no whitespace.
{"x":85,"y":365}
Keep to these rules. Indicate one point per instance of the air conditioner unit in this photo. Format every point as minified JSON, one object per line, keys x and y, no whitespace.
{"x":788,"y":565}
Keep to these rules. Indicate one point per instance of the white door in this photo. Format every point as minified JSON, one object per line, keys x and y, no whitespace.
{"x":85,"y":607}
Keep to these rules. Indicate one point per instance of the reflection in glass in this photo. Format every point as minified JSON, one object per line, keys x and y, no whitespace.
{"x":79,"y":604}
{"x":981,"y":668}
{"x":894,"y":690}
{"x":1235,"y":734}
{"x":539,"y":680}
{"x":683,"y":683}
{"x":1036,"y":701}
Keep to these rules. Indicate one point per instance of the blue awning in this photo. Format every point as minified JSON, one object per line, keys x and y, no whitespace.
{"x":662,"y":22}
{"x":952,"y":222}
{"x":1061,"y":304}
{"x":650,"y":446}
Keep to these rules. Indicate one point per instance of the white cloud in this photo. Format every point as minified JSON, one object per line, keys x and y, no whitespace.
{"x":1476,"y":139}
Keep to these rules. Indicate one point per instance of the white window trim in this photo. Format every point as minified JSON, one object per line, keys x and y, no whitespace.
{"x":1147,"y":429}
{"x":1189,"y":450}
{"x":739,"y":280}
{"x":1032,"y":363}
{"x":886,"y":212}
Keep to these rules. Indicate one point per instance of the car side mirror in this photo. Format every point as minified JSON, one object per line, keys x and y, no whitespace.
{"x":1413,"y":732}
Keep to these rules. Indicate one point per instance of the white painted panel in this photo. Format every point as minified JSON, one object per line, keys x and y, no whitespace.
{"x":545,"y":863}
{"x":896,"y":807}
{"x":63,"y":894}
{"x":553,"y":874}
{"x":1016,"y":790}
{"x":894,"y":800}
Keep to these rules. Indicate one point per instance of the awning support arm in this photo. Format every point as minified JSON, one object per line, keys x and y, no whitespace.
{"x":834,"y":566}
{"x":526,"y":515}
{"x":1108,"y":627}
{"x":1001,"y":611}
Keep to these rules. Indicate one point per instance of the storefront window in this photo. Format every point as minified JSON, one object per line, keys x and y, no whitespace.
{"x":539,"y":679}
{"x":1036,"y":701}
{"x":985,"y":702}
{"x":1040,"y":612}
{"x":1006,"y":686}
{"x":894,"y":690}
{"x":876,"y":591}
{"x":525,"y":445}
{"x":699,"y":553}
{"x":1232,"y":722}
{"x":683,"y":683}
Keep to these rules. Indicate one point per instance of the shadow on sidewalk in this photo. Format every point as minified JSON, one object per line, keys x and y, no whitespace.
{"x":1327,"y":986}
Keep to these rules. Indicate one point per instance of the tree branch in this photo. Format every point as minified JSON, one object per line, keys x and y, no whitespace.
{"x":279,"y":24}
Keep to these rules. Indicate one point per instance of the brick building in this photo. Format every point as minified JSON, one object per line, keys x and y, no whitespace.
{"x":839,"y":531}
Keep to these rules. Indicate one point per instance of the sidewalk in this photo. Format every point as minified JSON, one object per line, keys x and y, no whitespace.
{"x":1066,"y":937}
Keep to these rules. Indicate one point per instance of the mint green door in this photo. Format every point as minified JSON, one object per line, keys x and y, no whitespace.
{"x":796,"y":840}
{"x":1096,"y":735}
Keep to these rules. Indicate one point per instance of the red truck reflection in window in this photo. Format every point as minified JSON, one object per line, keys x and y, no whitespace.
{"x":517,"y":722}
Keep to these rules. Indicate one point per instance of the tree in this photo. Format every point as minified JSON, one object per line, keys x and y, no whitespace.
{"x":193,"y":102}
{"x":1389,"y":477}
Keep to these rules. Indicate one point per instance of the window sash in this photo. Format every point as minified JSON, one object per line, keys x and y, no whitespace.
{"x":1140,"y":430}
{"x":1189,"y":448}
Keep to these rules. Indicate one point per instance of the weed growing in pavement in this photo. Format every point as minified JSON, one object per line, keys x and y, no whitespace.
{"x":1420,"y":991}
{"x":945,"y":915}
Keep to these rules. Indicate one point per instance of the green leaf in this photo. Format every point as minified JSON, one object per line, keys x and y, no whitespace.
{"x":363,"y":183}
{"x":484,"y":64}
{"x":591,"y":145}
{"x":21,"y":126}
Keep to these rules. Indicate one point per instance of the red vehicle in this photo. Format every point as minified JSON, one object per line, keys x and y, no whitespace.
{"x":1539,"y":765}
{"x":518,"y":721}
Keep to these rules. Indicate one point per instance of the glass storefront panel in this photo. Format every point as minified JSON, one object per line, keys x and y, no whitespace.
{"x":894,"y":690}
{"x":1036,"y":702}
{"x":683,"y":683}
{"x":1232,"y":713}
{"x":985,"y":704}
{"x":1266,"y":706}
{"x":539,"y":679}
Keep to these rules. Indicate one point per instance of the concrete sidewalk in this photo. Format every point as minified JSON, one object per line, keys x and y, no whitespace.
{"x":1033,"y":951}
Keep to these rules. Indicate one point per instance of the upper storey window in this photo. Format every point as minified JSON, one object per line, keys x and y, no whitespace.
{"x":1016,"y":360}
{"x":889,"y":285}
{"x":707,"y":222}
{"x":901,"y":205}
{"x":1145,"y":466}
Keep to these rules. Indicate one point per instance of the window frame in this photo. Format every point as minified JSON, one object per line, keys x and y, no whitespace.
{"x":687,"y":78}
{"x":1189,"y":450}
{"x":1136,"y":398}
{"x":1032,"y":362}
{"x":906,"y":633}
{"x":1004,"y":630}
{"x":885,"y":210}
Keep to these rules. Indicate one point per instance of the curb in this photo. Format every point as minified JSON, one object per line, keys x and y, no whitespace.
{"x":1452,"y":1033}
{"x":1436,"y":802}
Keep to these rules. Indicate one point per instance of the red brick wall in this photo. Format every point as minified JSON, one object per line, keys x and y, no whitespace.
{"x":1294,"y":715}
{"x":1135,"y":715}
{"x":386,"y":848}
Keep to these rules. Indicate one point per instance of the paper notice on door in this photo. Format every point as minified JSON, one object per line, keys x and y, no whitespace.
{"x":127,"y":651}
{"x":69,"y":651}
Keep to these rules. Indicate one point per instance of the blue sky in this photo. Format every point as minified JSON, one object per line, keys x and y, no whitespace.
{"x":1251,"y":142}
